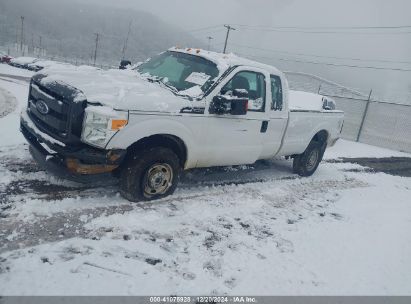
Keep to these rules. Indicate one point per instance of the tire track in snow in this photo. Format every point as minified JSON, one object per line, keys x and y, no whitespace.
{"x":29,"y":228}
{"x":8,"y":102}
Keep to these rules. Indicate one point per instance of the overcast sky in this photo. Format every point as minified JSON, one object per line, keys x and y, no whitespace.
{"x":373,"y":44}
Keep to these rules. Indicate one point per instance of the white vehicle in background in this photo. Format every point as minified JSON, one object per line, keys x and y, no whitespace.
{"x":22,"y":62}
{"x":185,"y":108}
{"x":40,"y":64}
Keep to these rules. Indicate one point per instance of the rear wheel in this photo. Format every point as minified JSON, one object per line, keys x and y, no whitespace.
{"x":150,"y":174}
{"x":306,"y":164}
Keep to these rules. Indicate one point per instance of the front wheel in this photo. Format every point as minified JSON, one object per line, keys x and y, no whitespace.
{"x":306,"y":163}
{"x":150,"y":174}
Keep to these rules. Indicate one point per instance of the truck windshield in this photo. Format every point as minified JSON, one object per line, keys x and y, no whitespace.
{"x":181,"y":71}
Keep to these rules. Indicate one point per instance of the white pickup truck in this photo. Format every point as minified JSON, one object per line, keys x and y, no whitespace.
{"x":185,"y":108}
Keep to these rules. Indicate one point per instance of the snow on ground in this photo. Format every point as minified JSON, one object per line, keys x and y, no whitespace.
{"x":7,"y":101}
{"x":6,"y":69}
{"x":258,"y":230}
{"x":9,"y":125}
{"x":345,"y":148}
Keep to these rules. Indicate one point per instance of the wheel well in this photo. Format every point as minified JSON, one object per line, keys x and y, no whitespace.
{"x":321,"y":137}
{"x":161,"y":140}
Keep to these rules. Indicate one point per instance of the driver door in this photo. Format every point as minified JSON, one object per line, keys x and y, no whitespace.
{"x":237,"y":139}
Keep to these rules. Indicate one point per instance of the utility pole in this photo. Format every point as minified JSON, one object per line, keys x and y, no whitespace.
{"x":95,"y":50}
{"x":40,"y":48}
{"x":126,"y":42}
{"x":229,"y":28}
{"x":17,"y":36}
{"x":364,"y":115}
{"x":32,"y":43}
{"x":209,"y":41}
{"x":22,"y":34}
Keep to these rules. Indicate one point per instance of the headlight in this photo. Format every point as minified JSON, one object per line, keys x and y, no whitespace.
{"x":101,"y":123}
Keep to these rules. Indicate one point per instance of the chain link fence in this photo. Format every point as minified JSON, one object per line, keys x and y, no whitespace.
{"x":367,"y":120}
{"x":387,"y":125}
{"x":354,"y":110}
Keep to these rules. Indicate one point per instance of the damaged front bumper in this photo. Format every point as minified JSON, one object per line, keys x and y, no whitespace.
{"x":81,"y":163}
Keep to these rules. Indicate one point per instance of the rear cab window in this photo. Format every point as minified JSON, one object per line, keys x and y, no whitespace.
{"x":276,"y":93}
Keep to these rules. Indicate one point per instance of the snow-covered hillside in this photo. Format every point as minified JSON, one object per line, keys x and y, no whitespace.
{"x":66,"y":29}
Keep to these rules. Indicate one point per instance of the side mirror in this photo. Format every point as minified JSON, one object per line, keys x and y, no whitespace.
{"x":240,"y":93}
{"x":223,"y":104}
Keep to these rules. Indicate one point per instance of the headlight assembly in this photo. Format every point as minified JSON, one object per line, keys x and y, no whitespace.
{"x":101,"y":123}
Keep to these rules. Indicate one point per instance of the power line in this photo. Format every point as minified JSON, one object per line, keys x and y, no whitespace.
{"x":308,"y":31}
{"x":215,"y":31}
{"x":205,"y":28}
{"x":356,"y":30}
{"x":349,"y":66}
{"x":327,"y":27}
{"x":314,"y":29}
{"x":330,"y":64}
{"x":319,"y":56}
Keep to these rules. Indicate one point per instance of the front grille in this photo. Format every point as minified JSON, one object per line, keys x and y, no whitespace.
{"x":64,"y":117}
{"x":55,"y":122}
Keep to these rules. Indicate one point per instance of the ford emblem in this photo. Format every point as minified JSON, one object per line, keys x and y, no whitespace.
{"x":42,"y":107}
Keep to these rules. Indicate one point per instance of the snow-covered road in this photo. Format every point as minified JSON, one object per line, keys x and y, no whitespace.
{"x":236,"y":230}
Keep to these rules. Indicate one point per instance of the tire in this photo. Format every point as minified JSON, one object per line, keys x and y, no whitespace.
{"x":306,"y":164}
{"x":150,"y":174}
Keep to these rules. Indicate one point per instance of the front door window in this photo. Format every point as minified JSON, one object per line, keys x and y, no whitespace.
{"x":253,"y":83}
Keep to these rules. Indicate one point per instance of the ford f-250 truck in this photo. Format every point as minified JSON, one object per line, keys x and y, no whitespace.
{"x":185,"y":108}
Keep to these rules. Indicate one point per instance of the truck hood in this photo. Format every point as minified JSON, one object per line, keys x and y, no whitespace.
{"x":118,"y":89}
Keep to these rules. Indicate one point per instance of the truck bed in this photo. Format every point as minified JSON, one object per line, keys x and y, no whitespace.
{"x":305,"y":101}
{"x":307,"y":117}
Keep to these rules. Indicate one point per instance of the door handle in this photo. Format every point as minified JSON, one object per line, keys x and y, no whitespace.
{"x":264,"y":126}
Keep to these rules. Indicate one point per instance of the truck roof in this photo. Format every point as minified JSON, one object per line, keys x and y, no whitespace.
{"x":224,"y":61}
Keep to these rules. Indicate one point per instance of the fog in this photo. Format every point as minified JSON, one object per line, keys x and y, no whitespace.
{"x":262,"y":34}
{"x":66,"y":30}
{"x":375,"y":46}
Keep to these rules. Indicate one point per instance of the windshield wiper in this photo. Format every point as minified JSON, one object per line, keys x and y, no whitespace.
{"x":172,"y":88}
{"x":160,"y":80}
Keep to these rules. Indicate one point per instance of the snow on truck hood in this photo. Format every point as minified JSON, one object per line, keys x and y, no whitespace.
{"x":118,"y":89}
